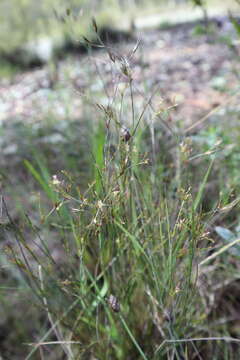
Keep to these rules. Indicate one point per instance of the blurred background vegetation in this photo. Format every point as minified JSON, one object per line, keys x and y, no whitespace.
{"x":34,"y":32}
{"x":24,"y":20}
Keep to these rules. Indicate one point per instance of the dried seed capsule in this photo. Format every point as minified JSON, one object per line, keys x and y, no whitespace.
{"x":125,"y":134}
{"x":113,"y":303}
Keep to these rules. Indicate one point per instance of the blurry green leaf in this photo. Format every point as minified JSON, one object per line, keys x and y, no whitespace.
{"x":236,"y":25}
{"x":224,"y":233}
{"x":228,"y":236}
{"x":40,"y":179}
{"x":98,"y":142}
{"x":198,"y":198}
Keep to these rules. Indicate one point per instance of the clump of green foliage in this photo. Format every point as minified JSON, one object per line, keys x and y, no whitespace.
{"x":139,"y":271}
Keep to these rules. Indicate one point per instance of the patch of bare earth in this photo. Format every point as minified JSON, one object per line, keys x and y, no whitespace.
{"x":192,"y":71}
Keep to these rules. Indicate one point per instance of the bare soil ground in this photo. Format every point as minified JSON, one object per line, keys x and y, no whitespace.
{"x":195,"y":72}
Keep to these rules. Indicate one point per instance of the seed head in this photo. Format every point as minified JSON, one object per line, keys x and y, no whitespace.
{"x":125,"y":134}
{"x":113,"y":303}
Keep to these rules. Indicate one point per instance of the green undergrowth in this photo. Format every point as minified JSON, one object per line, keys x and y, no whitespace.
{"x":131,"y":260}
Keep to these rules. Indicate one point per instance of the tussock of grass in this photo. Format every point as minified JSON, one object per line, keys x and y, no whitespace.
{"x":138,"y":273}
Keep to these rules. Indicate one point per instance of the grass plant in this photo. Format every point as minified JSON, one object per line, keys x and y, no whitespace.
{"x":141,"y":272}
